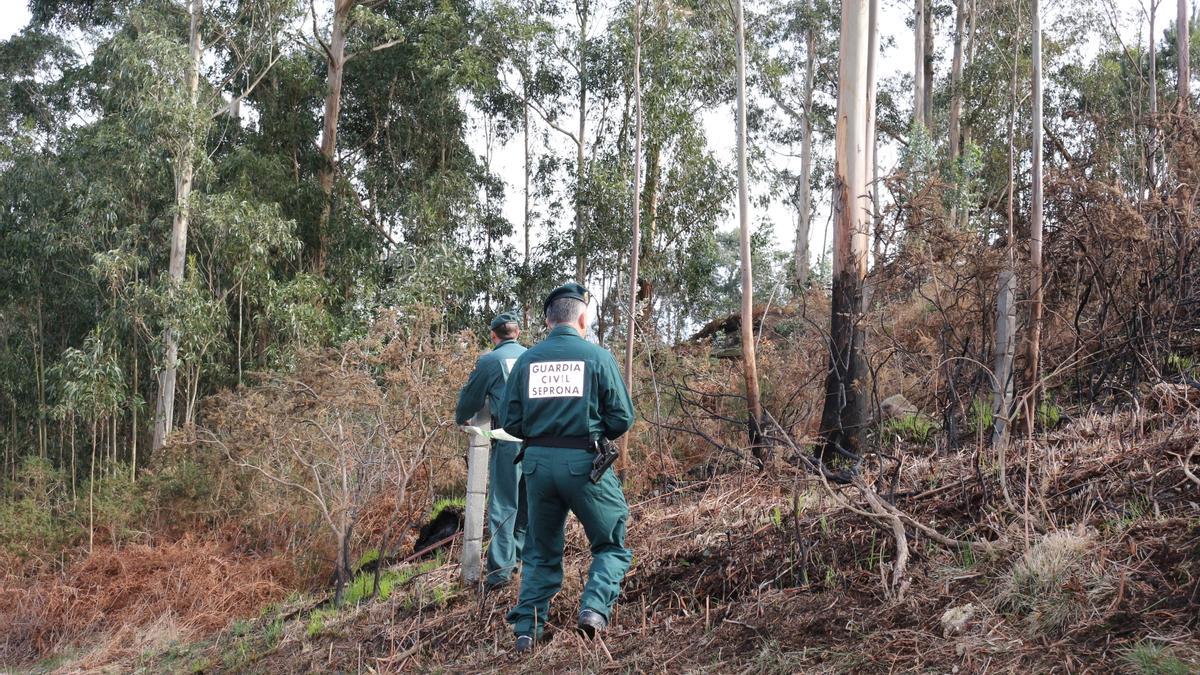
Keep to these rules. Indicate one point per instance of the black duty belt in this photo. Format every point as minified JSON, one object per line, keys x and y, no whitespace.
{"x":576,"y":442}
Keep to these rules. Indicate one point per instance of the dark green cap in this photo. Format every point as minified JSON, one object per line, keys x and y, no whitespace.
{"x":503,"y":318}
{"x":568,"y":290}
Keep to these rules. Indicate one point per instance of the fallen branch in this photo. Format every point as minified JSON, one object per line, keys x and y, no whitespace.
{"x":1186,"y":462}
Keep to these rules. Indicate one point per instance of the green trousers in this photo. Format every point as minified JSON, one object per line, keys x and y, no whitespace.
{"x":506,"y":512}
{"x":556,"y":481}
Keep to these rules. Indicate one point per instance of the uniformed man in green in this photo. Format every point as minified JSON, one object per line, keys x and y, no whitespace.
{"x":562,"y":394}
{"x":506,"y":487}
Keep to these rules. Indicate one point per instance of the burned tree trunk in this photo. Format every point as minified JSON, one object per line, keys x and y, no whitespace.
{"x":846,"y":387}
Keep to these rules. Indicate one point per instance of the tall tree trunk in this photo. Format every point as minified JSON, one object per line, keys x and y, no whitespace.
{"x":1183,"y":42}
{"x":133,"y":424}
{"x":649,"y":202}
{"x":804,"y":189}
{"x":164,"y":416}
{"x":335,"y":62}
{"x":963,"y":127}
{"x":39,"y":352}
{"x":92,"y":482}
{"x":749,"y":362}
{"x":1153,"y":60}
{"x":847,"y":389}
{"x":581,"y":10}
{"x":1006,"y":313}
{"x":636,"y":235}
{"x":1035,"y":215}
{"x":525,"y":124}
{"x":919,"y":62}
{"x":927,"y":61}
{"x":956,"y":66}
{"x":872,"y":162}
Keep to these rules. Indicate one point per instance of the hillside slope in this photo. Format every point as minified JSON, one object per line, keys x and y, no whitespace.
{"x":1097,"y":569}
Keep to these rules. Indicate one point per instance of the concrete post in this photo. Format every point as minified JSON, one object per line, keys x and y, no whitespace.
{"x":478,"y":452}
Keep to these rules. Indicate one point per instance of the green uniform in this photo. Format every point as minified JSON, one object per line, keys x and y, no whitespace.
{"x":506,"y":488}
{"x":567,"y":388}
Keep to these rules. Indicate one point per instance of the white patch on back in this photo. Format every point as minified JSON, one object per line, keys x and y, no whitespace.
{"x":556,"y":379}
{"x":506,"y":367}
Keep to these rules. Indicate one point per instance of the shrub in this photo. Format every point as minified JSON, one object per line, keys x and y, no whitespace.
{"x":119,"y":505}
{"x":31,"y":524}
{"x":1057,"y":582}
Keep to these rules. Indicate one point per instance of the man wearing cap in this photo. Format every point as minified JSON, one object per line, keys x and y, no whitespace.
{"x":563,"y":394}
{"x":506,"y":488}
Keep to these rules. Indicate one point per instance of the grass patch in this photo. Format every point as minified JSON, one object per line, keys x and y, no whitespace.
{"x":447,"y":503}
{"x":370,"y":556}
{"x":1150,"y":658}
{"x":980,"y":416}
{"x":1055,"y":583}
{"x":912,"y":428}
{"x":317,"y":620}
{"x":1048,"y":414}
{"x":1183,"y":365}
{"x":359,"y":590}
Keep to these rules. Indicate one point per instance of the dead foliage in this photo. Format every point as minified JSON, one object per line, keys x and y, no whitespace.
{"x":198,"y":585}
{"x":754,"y":572}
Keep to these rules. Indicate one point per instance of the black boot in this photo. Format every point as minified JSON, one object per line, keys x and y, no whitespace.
{"x":591,"y":622}
{"x":524,"y":644}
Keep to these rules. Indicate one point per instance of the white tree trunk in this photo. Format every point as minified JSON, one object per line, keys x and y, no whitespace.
{"x":919,"y":62}
{"x":1006,"y":333}
{"x":956,"y":67}
{"x":1153,"y":60}
{"x":1035,"y":215}
{"x":581,"y":8}
{"x":872,"y":160}
{"x":164,"y":415}
{"x":847,"y":388}
{"x":525,"y":122}
{"x":1183,"y":45}
{"x":636,"y":234}
{"x":804,"y":198}
{"x":335,"y":63}
{"x":750,"y":363}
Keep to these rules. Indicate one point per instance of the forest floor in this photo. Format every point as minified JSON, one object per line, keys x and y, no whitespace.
{"x":1092,"y":564}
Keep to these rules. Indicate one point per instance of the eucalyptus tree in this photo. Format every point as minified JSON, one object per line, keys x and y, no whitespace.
{"x":1036,"y":284}
{"x":92,"y":384}
{"x":685,"y":55}
{"x":749,"y":360}
{"x":1183,"y":54}
{"x":847,"y":390}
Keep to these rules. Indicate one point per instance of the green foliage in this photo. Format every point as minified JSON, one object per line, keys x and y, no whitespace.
{"x":31,"y":522}
{"x":1184,"y":365}
{"x":1048,"y":414}
{"x":91,"y":382}
{"x":274,"y":633}
{"x":912,"y":428}
{"x":966,"y":177}
{"x":317,"y":620}
{"x":370,"y":556}
{"x":447,"y":503}
{"x":1151,"y":658}
{"x":119,"y":504}
{"x":919,"y":158}
{"x":980,"y":416}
